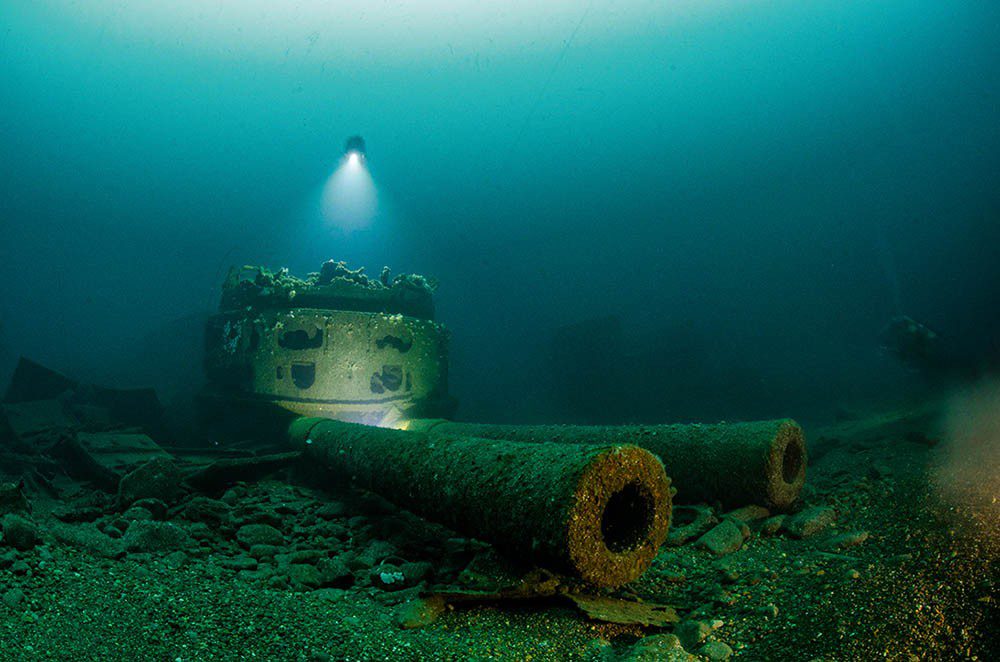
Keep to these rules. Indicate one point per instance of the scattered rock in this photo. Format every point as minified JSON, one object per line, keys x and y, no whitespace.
{"x":845,"y":540}
{"x":19,"y":532}
{"x":76,"y":514}
{"x":14,"y":598}
{"x":13,"y":499}
{"x":771,"y":525}
{"x":692,"y":633}
{"x":810,"y":521}
{"x":331,"y":510}
{"x":210,"y":511}
{"x":152,"y":536}
{"x":157,"y":479}
{"x":419,"y":612}
{"x":303,"y":576}
{"x":249,"y":535}
{"x":716,"y":651}
{"x":725,"y":538}
{"x":658,"y":648}
{"x":749,"y":513}
{"x":334,"y":573}
{"x":87,"y":536}
{"x":689,"y":522}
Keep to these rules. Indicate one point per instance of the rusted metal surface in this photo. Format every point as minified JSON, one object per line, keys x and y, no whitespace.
{"x":597,"y":512}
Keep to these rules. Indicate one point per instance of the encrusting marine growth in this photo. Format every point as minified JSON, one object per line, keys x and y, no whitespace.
{"x":598,"y":512}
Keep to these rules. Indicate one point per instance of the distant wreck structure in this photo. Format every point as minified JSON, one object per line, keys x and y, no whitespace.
{"x":336,"y":344}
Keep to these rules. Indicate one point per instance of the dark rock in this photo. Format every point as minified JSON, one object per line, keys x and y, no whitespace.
{"x":156,"y":508}
{"x":264,"y":551}
{"x":8,"y":558}
{"x":414,"y":573}
{"x":14,"y":598}
{"x":13,"y":499}
{"x":334,"y":573}
{"x":240,"y":563}
{"x":20,"y":567}
{"x":79,"y":514}
{"x":377,"y":551}
{"x":88,"y":537}
{"x":771,"y":525}
{"x":157,"y":479}
{"x":692,"y":633}
{"x":658,"y":648}
{"x":303,"y":576}
{"x":19,"y":532}
{"x":846,"y":540}
{"x":175,"y":560}
{"x":136,"y":514}
{"x":689,"y":522}
{"x":810,"y":521}
{"x":249,"y":535}
{"x":419,"y":612}
{"x":715,"y":651}
{"x":210,"y":511}
{"x":331,"y":510}
{"x":725,"y":538}
{"x":749,"y":513}
{"x":156,"y":537}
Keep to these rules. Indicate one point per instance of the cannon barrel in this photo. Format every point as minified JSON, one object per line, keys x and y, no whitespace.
{"x":599,"y":512}
{"x":760,"y":462}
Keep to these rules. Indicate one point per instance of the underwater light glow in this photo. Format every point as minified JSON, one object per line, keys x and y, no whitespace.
{"x":349,"y":199}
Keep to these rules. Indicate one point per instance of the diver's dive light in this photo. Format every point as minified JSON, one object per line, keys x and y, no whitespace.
{"x":354,"y":149}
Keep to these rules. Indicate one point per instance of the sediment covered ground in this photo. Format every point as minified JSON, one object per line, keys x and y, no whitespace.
{"x":891,"y":555}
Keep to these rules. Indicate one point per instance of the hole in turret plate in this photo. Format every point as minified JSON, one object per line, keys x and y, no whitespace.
{"x":400,"y":345}
{"x":390,"y":378}
{"x":627,"y":518}
{"x":300,"y":339}
{"x":303,"y":374}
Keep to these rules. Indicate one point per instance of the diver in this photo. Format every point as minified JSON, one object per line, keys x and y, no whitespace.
{"x":923,"y":351}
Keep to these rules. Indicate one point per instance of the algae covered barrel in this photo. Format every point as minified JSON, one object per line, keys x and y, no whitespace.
{"x":599,"y":512}
{"x":762,"y":462}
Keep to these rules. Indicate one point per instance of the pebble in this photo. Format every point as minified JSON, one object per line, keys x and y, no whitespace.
{"x":772,"y":525}
{"x":249,"y":535}
{"x":13,"y":598}
{"x":725,"y":538}
{"x":845,"y":540}
{"x":334,"y":573}
{"x":689,"y":522}
{"x":692,"y":633}
{"x":303,"y":576}
{"x":810,"y":521}
{"x":19,"y":532}
{"x":658,"y":648}
{"x":152,"y":536}
{"x":157,"y":479}
{"x":419,"y":612}
{"x":716,"y":651}
{"x":749,"y":513}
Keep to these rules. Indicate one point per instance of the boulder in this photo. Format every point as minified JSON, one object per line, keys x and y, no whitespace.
{"x":158,"y":478}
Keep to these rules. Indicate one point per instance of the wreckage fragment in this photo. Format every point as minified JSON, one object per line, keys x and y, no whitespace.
{"x":760,"y":462}
{"x":599,"y":512}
